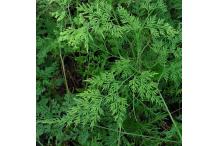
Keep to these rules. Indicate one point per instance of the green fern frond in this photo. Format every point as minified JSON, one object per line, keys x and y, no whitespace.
{"x":123,"y":67}
{"x":126,"y":18}
{"x":76,"y":38}
{"x":159,"y":27}
{"x":87,"y":109}
{"x":145,"y":87}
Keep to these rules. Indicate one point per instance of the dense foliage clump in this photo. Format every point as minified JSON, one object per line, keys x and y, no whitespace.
{"x":108,"y":72}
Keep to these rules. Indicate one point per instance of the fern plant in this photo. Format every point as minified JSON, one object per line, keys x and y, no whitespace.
{"x":108,"y":72}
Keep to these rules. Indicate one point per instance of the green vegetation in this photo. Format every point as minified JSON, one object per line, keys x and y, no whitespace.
{"x":109,"y":73}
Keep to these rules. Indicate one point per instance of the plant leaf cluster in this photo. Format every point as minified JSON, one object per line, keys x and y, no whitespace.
{"x":108,"y":72}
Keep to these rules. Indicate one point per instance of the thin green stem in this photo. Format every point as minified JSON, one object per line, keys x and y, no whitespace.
{"x":168,"y":111}
{"x":133,"y":104}
{"x":133,"y":134}
{"x":69,"y":14}
{"x":119,"y":137}
{"x":171,"y":117}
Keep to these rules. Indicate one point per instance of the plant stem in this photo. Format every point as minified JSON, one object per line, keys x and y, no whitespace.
{"x":171,"y":117}
{"x":119,"y":136}
{"x":133,"y":104}
{"x":64,"y":72}
{"x":168,"y":111}
{"x":133,"y":134}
